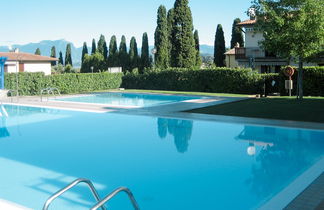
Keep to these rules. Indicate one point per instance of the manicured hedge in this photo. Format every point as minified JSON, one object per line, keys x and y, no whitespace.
{"x":220,"y":80}
{"x":313,"y":81}
{"x":32,"y":83}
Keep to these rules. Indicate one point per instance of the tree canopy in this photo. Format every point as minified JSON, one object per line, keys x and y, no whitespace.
{"x":53,"y":55}
{"x":237,"y":34}
{"x":68,"y":55}
{"x":183,"y":52}
{"x":38,"y":52}
{"x":291,"y":29}
{"x":161,"y":38}
{"x":219,"y":49}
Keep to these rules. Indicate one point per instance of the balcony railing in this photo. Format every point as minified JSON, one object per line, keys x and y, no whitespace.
{"x":249,"y":52}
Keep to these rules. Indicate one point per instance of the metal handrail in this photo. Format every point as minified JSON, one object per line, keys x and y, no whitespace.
{"x":74,"y":183}
{"x":114,"y":193}
{"x":49,"y":91}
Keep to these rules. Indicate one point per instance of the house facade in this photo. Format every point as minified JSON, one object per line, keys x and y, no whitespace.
{"x":26,"y":62}
{"x":253,"y":56}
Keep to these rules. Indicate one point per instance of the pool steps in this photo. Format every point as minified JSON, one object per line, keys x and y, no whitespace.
{"x":100,"y":202}
{"x":8,"y":205}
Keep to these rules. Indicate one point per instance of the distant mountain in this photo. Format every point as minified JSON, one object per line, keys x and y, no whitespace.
{"x":60,"y":45}
{"x":45,"y":48}
{"x":206,"y":50}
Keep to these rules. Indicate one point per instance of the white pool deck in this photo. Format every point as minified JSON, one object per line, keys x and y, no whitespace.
{"x":174,"y":110}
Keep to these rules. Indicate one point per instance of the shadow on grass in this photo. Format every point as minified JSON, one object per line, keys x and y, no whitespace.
{"x":309,"y":109}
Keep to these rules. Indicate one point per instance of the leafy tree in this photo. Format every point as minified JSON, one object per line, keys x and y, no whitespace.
{"x":161,"y":38}
{"x":145,"y":55}
{"x":96,"y":60}
{"x":197,"y":46}
{"x":291,"y":29}
{"x":219,"y":49}
{"x":237,"y":34}
{"x":183,"y":53}
{"x":38,"y":52}
{"x":84,"y":51}
{"x":93,"y":47}
{"x":123,"y":55}
{"x":60,"y":61}
{"x":133,"y":54}
{"x":102,"y":46}
{"x":53,"y":55}
{"x":68,"y":55}
{"x":113,"y":52}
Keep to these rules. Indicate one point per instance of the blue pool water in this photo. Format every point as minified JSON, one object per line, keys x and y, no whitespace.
{"x":129,"y":99}
{"x":169,"y":164}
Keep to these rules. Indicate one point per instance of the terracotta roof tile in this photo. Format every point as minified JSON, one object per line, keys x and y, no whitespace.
{"x":13,"y":56}
{"x":246,"y":23}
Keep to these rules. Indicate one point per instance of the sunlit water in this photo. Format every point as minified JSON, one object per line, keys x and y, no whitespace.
{"x":171,"y":164}
{"x":128,"y":99}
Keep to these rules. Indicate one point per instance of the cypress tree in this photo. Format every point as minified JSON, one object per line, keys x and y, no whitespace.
{"x":53,"y":55}
{"x":122,"y":55}
{"x":197,"y":46}
{"x":84,"y":52}
{"x":219,"y":48}
{"x":60,"y":61}
{"x":113,"y":53}
{"x":161,"y":38}
{"x":93,"y":47}
{"x":102,"y":46}
{"x":170,"y":19}
{"x":237,"y":34}
{"x":183,"y":53}
{"x":68,"y":55}
{"x":38,"y":52}
{"x":133,"y":54}
{"x":145,"y":55}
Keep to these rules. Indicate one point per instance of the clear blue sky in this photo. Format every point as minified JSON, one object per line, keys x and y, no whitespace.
{"x":81,"y":20}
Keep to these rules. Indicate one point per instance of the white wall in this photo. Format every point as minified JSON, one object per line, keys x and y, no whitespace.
{"x":252,"y":38}
{"x":38,"y":67}
{"x":12,"y":66}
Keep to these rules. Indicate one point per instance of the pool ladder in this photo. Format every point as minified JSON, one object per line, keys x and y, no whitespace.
{"x":49,"y":91}
{"x":100,"y":202}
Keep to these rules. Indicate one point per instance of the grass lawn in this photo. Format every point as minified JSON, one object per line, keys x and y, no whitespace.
{"x":283,"y":108}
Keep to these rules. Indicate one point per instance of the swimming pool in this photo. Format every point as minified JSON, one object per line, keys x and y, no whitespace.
{"x":168,"y":163}
{"x":128,"y":99}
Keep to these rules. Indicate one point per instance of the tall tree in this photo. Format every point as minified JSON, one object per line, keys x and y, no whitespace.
{"x":133,"y":54}
{"x":237,"y":34}
{"x":84,"y":51}
{"x":68,"y":55}
{"x":53,"y":55}
{"x":145,"y":55}
{"x":113,"y":52}
{"x":38,"y":52}
{"x":292,"y":29}
{"x":183,"y":53}
{"x":170,"y":18}
{"x":123,"y":55}
{"x":197,"y":46}
{"x":60,"y":61}
{"x":219,"y":48}
{"x":161,"y":38}
{"x":102,"y":46}
{"x":93,"y":47}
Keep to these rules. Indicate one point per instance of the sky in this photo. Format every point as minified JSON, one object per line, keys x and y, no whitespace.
{"x":80,"y":21}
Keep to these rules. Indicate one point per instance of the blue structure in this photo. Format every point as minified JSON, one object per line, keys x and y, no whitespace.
{"x":2,"y":62}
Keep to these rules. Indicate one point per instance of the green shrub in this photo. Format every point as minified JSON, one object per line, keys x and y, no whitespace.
{"x":221,"y":80}
{"x":32,"y":83}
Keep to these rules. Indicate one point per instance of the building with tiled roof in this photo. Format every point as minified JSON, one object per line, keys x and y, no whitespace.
{"x":26,"y":62}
